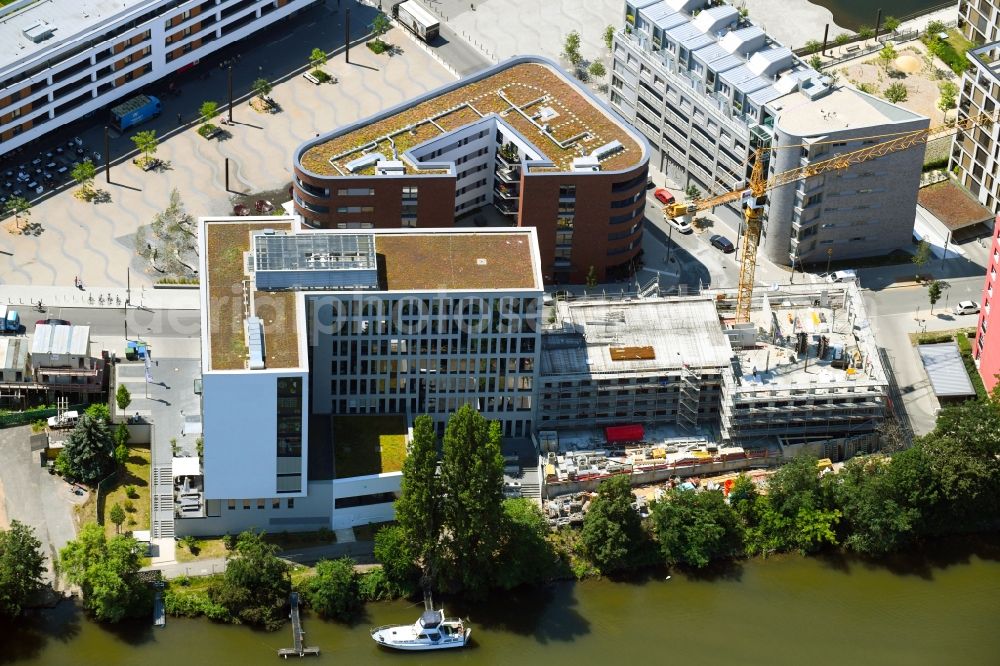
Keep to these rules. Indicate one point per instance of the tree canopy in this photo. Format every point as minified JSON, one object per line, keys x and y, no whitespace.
{"x":612,"y":532}
{"x":256,"y":585}
{"x":418,"y":509}
{"x":334,"y":591}
{"x":472,"y":479}
{"x":107,"y":571}
{"x":89,"y":454}
{"x":22,"y":567}
{"x":527,"y":556}
{"x":695,"y":528}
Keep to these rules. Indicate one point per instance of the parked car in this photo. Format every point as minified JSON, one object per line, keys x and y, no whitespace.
{"x":680,"y":224}
{"x":842,"y":276}
{"x":53,"y":322}
{"x":967,"y":308}
{"x":663,"y":196}
{"x":722,"y":243}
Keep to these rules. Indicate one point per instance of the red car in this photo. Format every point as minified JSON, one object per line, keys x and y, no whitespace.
{"x":663,"y":196}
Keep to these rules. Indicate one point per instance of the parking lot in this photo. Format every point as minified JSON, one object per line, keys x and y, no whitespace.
{"x":31,"y":495}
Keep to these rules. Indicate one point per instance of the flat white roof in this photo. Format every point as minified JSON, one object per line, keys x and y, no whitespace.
{"x":63,"y":340}
{"x":842,"y":108}
{"x":68,"y":18}
{"x":945,"y":369}
{"x":188,"y":466}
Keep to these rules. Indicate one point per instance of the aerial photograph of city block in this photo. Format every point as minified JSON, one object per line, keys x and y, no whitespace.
{"x":541,"y":332}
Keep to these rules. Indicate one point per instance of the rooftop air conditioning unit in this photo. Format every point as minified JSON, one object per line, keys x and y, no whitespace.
{"x":38,"y":31}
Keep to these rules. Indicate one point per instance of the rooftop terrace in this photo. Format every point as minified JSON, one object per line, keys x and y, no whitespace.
{"x":515,"y":92}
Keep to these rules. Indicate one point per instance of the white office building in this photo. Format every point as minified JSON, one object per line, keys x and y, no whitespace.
{"x":319,"y":349}
{"x":62,"y":59}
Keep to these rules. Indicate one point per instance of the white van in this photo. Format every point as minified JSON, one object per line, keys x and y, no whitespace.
{"x":842,"y":276}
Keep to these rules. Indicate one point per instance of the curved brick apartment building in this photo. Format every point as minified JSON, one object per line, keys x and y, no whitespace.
{"x":521,"y":137}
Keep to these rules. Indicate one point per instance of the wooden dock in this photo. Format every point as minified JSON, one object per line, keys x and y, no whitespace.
{"x":298,"y":636}
{"x":159,"y":615}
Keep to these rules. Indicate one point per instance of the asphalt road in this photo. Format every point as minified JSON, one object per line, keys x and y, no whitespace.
{"x":105,"y":321}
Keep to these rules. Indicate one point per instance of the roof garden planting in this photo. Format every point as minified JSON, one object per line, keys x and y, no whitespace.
{"x":553,"y":114}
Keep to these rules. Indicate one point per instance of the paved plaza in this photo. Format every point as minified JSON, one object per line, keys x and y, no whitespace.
{"x":94,"y":241}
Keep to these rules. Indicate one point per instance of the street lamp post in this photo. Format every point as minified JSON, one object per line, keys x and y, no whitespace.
{"x":829,"y":256}
{"x":230,"y":94}
{"x":670,"y":237}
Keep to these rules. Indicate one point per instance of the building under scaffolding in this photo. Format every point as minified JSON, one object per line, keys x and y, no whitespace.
{"x":805,"y":367}
{"x":649,"y":361}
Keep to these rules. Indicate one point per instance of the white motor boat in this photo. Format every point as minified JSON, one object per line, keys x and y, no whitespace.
{"x":431,"y":632}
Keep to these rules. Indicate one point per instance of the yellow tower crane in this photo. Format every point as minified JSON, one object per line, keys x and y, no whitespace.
{"x":753,"y":197}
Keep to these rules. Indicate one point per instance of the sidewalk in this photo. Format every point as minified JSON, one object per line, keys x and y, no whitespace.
{"x":183,"y":298}
{"x":361,"y":551}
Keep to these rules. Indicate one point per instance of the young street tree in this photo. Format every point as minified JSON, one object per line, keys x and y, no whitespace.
{"x":262,"y":88}
{"x":84,"y":174}
{"x":597,"y":70}
{"x":612,"y":531}
{"x":934,"y":291}
{"x":418,"y":509}
{"x":122,"y":397}
{"x":22,"y":566}
{"x":922,"y":254}
{"x":890,"y":23}
{"x":317,"y":58}
{"x":380,"y":25}
{"x":609,"y":36}
{"x":887,"y":56}
{"x":18,"y":207}
{"x":107,"y":570}
{"x":117,"y":516}
{"x":334,"y":591}
{"x":89,"y":453}
{"x":472,"y":478}
{"x":949,"y":95}
{"x":147,"y":143}
{"x":571,"y":48}
{"x":207,"y":111}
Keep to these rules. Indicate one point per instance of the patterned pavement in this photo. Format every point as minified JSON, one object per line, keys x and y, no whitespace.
{"x":94,"y":240}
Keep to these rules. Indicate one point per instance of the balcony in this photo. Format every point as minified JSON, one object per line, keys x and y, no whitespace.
{"x":506,"y":191}
{"x":506,"y":206}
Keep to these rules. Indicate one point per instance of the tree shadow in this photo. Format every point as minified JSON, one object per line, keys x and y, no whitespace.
{"x":923,"y":559}
{"x":547,"y":613}
{"x":25,"y":638}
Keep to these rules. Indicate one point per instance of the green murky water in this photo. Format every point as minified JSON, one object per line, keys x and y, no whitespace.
{"x":939,"y":607}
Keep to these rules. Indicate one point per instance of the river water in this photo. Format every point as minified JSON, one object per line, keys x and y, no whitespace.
{"x":853,"y":13}
{"x":938,"y":607}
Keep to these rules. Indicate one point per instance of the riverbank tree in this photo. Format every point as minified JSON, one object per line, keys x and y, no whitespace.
{"x":22,"y":566}
{"x":612,"y":531}
{"x":255,"y":588}
{"x":454,"y":529}
{"x":695,"y":528}
{"x":334,"y":592}
{"x":107,"y":572}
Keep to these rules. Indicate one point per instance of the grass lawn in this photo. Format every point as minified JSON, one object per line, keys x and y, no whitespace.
{"x":368,"y":445}
{"x":959,"y":42}
{"x":136,"y":474}
{"x":207,"y":549}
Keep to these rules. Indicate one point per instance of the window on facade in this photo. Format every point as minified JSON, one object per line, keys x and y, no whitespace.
{"x":567,"y":191}
{"x":356,"y":192}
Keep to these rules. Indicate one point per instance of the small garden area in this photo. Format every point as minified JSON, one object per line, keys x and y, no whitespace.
{"x":365,"y":445}
{"x":129,"y":491}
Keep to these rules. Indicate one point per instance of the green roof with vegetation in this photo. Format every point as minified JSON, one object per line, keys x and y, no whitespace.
{"x":368,"y":444}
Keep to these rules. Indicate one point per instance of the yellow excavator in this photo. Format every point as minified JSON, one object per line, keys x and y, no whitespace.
{"x":753,"y":197}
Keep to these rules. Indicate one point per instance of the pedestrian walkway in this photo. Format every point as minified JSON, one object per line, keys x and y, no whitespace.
{"x":150,"y":298}
{"x":361,"y":551}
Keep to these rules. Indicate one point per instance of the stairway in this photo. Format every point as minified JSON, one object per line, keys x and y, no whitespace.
{"x":531,"y":486}
{"x":687,"y":401}
{"x":162,"y":500}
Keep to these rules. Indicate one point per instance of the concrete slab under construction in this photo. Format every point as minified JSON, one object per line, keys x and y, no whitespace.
{"x":611,"y":336}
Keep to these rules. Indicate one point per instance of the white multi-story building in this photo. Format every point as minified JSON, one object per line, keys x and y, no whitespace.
{"x":63,"y":59}
{"x":312,"y":338}
{"x":707,"y":87}
{"x":979,"y":20}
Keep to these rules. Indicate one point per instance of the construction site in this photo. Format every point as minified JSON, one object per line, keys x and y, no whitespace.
{"x":674,"y":387}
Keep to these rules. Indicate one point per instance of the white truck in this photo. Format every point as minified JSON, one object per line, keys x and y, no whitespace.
{"x":417,"y":20}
